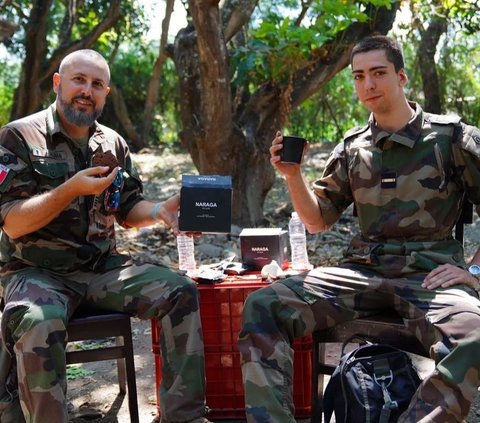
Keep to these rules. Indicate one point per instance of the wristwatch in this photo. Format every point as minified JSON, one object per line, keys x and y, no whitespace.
{"x":474,"y":270}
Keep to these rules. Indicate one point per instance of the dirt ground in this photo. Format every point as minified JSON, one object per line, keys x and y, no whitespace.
{"x":95,"y":397}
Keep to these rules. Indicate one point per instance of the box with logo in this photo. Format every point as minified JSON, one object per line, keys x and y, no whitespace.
{"x":259,"y":246}
{"x":205,"y":203}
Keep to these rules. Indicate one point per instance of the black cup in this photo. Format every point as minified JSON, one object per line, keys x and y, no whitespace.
{"x":292,"y":150}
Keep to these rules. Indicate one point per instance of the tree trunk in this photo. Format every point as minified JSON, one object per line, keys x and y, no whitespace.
{"x":121,"y":111}
{"x":227,"y":140}
{"x":27,"y":95}
{"x":37,"y":70}
{"x":426,"y":62}
{"x":154,"y":84}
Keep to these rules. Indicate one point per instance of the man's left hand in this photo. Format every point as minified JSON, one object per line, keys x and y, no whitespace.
{"x":447,"y":275}
{"x":168,"y":212}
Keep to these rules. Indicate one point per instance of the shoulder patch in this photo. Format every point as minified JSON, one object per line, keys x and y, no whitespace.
{"x":355,"y":131}
{"x":444,"y":119}
{"x":3,"y":173}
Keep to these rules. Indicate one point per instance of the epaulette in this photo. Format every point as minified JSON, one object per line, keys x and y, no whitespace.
{"x":355,"y":131}
{"x":443,"y":119}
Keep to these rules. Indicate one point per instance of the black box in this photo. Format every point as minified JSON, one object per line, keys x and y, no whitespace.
{"x":205,"y":204}
{"x":259,"y":246}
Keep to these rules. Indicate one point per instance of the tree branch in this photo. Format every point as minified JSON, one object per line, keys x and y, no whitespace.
{"x":319,"y":71}
{"x":235,"y":14}
{"x":154,"y":83}
{"x":68,"y":21}
{"x":121,"y":112}
{"x":305,"y":6}
{"x":112,"y":16}
{"x":7,"y":29}
{"x":35,"y":51}
{"x":426,"y":60}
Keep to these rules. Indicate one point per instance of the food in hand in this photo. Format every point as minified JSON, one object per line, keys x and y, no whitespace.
{"x":105,"y":158}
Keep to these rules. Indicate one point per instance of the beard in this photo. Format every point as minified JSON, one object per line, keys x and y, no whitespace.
{"x":78,"y":116}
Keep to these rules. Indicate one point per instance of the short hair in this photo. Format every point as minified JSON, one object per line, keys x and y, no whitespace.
{"x":392,"y":49}
{"x":88,"y":53}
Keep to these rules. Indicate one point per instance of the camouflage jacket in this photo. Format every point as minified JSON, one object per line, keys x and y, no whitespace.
{"x":37,"y":156}
{"x":408,"y":188}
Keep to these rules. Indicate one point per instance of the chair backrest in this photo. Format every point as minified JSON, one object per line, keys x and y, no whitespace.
{"x":100,"y":325}
{"x":465,"y":217}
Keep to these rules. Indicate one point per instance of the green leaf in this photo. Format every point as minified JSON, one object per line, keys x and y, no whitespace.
{"x":76,"y":372}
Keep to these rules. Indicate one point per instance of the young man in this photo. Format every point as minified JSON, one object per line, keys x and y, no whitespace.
{"x":407,"y":172}
{"x":64,"y":180}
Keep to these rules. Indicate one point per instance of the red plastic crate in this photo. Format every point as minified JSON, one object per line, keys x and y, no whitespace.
{"x":221,"y":313}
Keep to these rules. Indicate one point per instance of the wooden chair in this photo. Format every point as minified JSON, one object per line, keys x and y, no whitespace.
{"x":386,"y":327}
{"x":85,"y":327}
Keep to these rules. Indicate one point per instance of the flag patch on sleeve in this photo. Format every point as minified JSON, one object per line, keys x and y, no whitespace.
{"x":3,"y":173}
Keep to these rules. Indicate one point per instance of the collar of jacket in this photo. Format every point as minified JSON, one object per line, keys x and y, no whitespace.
{"x":406,"y":136}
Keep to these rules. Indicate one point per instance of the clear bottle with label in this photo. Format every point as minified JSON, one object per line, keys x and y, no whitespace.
{"x":298,"y":244}
{"x":186,"y":252}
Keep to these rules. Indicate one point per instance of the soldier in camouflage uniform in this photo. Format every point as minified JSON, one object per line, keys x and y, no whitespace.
{"x":407,"y":172}
{"x":58,"y":252}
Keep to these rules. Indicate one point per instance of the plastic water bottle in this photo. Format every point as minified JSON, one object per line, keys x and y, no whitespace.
{"x":298,"y":243}
{"x":186,"y":253}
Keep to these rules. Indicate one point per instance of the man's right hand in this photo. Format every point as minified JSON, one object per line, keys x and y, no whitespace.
{"x":35,"y":212}
{"x":286,"y":169}
{"x":91,"y":181}
{"x":303,"y":199}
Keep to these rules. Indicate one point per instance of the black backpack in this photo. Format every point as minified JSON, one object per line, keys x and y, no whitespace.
{"x":372,"y":384}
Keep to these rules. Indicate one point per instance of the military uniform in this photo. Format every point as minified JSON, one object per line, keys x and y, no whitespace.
{"x":408,"y":188}
{"x":72,"y":263}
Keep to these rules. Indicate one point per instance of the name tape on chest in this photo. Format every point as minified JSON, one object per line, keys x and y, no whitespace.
{"x":389,"y":180}
{"x":57,"y":155}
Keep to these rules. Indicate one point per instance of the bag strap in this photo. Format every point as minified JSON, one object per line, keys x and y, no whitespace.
{"x":383,"y":376}
{"x":328,"y":403}
{"x":331,"y":390}
{"x":363,"y":339}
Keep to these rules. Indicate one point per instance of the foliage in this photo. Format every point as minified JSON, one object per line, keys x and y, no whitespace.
{"x":77,"y":372}
{"x":131,"y":57}
{"x":88,"y":13}
{"x":326,"y":117}
{"x":462,"y":57}
{"x":464,"y":13}
{"x":457,"y":57}
{"x":8,"y":82}
{"x":278,"y":42}
{"x":278,"y":45}
{"x":329,"y":114}
{"x":15,"y":45}
{"x":131,"y":71}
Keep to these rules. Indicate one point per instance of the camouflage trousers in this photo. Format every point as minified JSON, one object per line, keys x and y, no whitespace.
{"x":446,"y":321}
{"x":39,"y":303}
